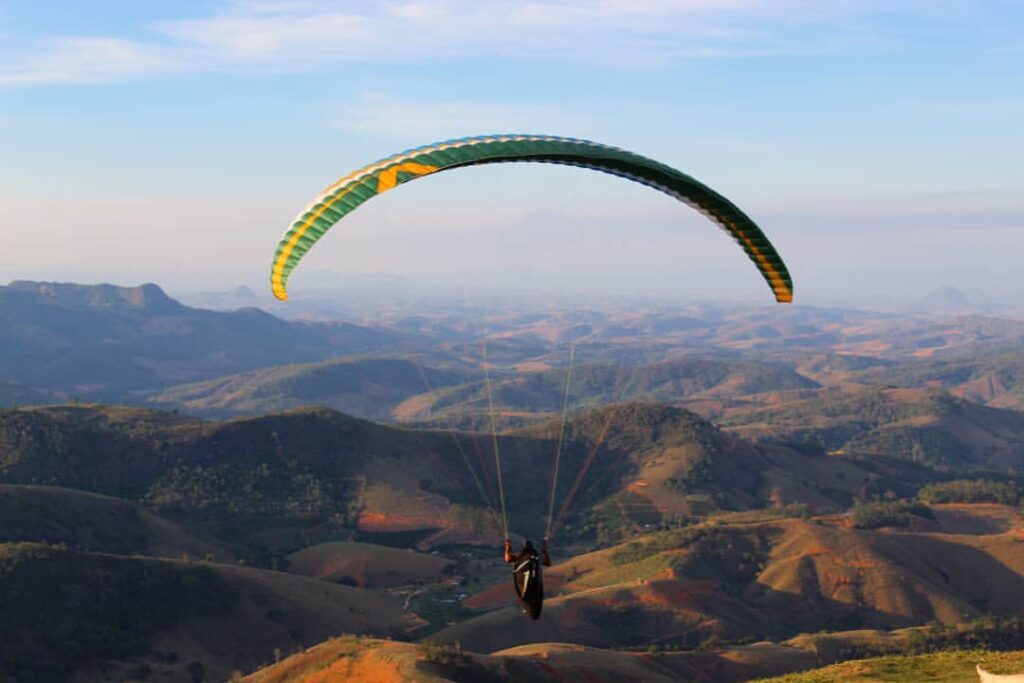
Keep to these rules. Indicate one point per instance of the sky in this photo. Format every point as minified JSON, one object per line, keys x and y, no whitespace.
{"x":878,"y":143}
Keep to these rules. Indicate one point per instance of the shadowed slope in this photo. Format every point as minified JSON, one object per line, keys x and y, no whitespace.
{"x":91,"y":522}
{"x":72,"y":615}
{"x":107,"y":342}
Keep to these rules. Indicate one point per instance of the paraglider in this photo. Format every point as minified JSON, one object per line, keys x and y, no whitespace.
{"x":345,"y":195}
{"x":348,"y":193}
{"x":526,"y":574}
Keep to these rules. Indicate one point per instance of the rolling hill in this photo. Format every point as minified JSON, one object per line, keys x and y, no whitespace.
{"x":110,"y":342}
{"x":373,"y":659}
{"x":90,"y":522}
{"x":762,"y":579}
{"x":592,"y":385}
{"x":72,"y":615}
{"x":995,"y":380}
{"x":647,"y":465}
{"x":350,"y":658}
{"x":923,"y":426}
{"x":370,"y":388}
{"x":262,"y":487}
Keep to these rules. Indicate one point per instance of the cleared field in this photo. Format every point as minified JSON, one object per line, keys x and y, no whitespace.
{"x":977,"y":519}
{"x":366,"y":565}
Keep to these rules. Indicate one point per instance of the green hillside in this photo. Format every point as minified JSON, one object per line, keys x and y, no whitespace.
{"x":923,"y":426}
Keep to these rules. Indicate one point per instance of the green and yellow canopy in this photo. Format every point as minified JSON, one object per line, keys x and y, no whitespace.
{"x":344,"y":196}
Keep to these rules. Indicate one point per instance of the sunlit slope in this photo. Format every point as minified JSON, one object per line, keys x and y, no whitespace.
{"x":943,"y":667}
{"x":390,"y":662}
{"x":995,"y":378}
{"x":774,"y":578}
{"x":379,"y":660}
{"x":92,"y":522}
{"x":350,"y":658}
{"x":71,"y":615}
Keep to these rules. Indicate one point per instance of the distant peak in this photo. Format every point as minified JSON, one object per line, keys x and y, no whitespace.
{"x":948,"y":296}
{"x":148,"y":297}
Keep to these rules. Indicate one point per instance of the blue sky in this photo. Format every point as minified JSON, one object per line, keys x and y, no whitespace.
{"x":879,"y":144}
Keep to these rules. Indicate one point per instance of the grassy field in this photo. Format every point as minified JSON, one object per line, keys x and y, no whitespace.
{"x":942,"y":667}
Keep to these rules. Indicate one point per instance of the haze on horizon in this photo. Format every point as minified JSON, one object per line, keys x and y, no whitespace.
{"x":878,"y":144}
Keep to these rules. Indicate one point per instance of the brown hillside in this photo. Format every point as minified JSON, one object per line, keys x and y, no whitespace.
{"x":366,"y":565}
{"x":764,"y":579}
{"x":978,"y":519}
{"x":350,"y":658}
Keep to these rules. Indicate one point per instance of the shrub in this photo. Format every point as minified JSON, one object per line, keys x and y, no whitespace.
{"x":665,"y":540}
{"x":442,"y":653}
{"x":971,"y":491}
{"x":895,"y":513}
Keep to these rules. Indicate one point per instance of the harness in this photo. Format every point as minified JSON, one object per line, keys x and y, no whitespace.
{"x":529,"y":569}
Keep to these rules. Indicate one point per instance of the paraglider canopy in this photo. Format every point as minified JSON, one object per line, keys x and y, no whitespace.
{"x":349,"y":192}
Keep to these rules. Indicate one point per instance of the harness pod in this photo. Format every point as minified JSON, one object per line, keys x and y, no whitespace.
{"x":529,"y":585}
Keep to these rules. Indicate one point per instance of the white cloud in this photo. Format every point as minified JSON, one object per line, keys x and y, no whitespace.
{"x":298,"y":35}
{"x":87,"y":60}
{"x":285,"y":33}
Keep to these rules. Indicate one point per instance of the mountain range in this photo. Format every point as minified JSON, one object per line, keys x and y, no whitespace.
{"x":730,"y":481}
